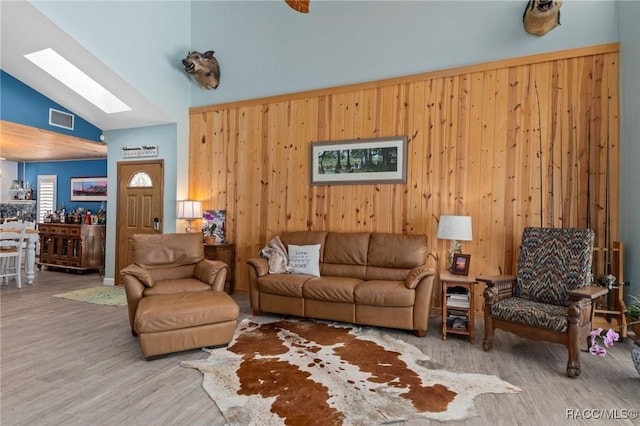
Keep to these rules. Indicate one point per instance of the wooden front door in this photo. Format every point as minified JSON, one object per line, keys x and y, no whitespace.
{"x":140,"y":195}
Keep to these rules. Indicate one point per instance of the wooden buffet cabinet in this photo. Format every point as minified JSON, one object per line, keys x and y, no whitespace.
{"x":71,"y":246}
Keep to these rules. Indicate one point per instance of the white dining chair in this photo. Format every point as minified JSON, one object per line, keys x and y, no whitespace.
{"x":11,"y":243}
{"x":18,"y":225}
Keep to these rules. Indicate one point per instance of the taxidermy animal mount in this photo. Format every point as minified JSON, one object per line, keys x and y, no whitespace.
{"x":541,"y":16}
{"x":204,"y":68}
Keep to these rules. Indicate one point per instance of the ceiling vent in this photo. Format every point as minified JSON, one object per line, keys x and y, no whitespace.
{"x":61,"y":119}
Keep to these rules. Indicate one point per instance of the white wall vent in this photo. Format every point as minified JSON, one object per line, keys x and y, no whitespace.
{"x":61,"y":119}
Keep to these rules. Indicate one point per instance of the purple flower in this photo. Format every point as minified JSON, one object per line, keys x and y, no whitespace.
{"x":607,"y":339}
{"x":610,"y":337}
{"x":597,"y":350}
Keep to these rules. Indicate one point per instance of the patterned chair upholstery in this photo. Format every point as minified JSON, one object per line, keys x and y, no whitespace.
{"x":549,"y":298}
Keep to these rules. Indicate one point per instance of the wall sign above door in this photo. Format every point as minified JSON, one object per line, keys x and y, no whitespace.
{"x":139,"y":151}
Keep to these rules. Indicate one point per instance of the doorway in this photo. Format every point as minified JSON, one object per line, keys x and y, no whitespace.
{"x":139,"y":206}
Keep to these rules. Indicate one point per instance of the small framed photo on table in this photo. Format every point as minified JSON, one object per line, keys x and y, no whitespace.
{"x":460,"y":264}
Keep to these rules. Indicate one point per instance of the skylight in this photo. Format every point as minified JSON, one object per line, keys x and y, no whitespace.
{"x":68,"y":74}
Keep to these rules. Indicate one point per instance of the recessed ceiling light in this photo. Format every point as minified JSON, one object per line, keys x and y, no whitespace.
{"x":68,"y":74}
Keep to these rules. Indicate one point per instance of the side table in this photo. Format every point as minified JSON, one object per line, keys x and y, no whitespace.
{"x":226,"y":253}
{"x":458,"y":317}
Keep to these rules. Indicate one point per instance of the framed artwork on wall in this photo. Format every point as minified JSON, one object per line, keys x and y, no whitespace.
{"x":360,"y":161}
{"x":88,"y":188}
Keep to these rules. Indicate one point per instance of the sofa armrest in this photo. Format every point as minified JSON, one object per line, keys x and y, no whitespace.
{"x":134,"y":289}
{"x":212,"y":272}
{"x":425,"y":283}
{"x":417,"y":274}
{"x":260,"y":265}
{"x":142,"y":274}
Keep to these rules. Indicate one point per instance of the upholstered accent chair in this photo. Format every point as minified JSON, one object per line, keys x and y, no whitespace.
{"x":550,"y":297}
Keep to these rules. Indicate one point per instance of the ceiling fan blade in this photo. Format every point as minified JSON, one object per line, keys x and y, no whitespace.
{"x":301,"y":6}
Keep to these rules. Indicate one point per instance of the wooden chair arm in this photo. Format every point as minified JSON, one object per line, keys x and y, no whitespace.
{"x":588,"y":292}
{"x":497,"y":279}
{"x":499,"y":287}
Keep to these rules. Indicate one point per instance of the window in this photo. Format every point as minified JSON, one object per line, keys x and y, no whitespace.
{"x":140,"y":179}
{"x":47,"y":189}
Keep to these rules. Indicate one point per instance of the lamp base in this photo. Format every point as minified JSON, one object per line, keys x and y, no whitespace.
{"x":455,"y":249}
{"x":190,"y":228}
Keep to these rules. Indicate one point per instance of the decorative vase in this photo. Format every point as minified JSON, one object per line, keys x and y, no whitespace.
{"x":210,"y":240}
{"x":635,"y":356}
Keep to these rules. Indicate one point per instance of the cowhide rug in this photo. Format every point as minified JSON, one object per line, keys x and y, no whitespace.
{"x":304,"y":373}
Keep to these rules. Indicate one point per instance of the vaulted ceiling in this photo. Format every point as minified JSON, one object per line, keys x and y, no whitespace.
{"x":16,"y":18}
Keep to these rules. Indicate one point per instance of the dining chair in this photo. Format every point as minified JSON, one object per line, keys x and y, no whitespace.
{"x":11,"y":242}
{"x":18,"y":225}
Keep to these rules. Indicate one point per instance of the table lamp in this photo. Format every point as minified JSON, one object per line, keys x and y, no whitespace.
{"x":455,"y":228}
{"x":189,"y":210}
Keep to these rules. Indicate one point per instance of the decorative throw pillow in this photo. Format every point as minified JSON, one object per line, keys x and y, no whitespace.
{"x":305,"y":259}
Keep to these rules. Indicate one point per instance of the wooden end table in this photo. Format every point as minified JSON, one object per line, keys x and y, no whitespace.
{"x":458,"y":319}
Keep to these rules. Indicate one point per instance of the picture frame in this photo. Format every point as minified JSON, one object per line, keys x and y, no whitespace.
{"x":88,"y":188}
{"x":359,"y":161}
{"x":460,"y":264}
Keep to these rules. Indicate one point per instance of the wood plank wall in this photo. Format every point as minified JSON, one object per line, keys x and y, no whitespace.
{"x":513,"y":143}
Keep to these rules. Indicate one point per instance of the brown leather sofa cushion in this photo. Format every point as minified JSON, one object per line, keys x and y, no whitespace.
{"x":166,"y":250}
{"x":184,"y":310}
{"x":176,"y":286}
{"x":345,"y":254}
{"x":384,"y":293}
{"x":331,"y":289}
{"x":397,"y":251}
{"x":283,"y":284}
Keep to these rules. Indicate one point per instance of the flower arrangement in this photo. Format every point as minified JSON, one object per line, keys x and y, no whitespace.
{"x":633,"y":311}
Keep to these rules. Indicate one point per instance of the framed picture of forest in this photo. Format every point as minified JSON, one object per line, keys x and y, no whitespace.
{"x":360,"y":161}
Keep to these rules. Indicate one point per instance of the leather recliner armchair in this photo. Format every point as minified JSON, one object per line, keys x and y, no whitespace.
{"x":175,"y":296}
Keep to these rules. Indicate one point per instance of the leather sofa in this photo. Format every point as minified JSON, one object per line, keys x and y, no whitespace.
{"x":175,"y":296}
{"x":378,"y":279}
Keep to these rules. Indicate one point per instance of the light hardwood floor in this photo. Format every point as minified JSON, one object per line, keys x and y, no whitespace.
{"x":66,"y":362}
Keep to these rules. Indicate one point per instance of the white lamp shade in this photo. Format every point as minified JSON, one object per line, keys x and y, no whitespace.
{"x":189,"y":209}
{"x":455,"y":228}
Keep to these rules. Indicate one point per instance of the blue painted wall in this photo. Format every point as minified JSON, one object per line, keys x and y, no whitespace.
{"x":21,"y":104}
{"x":65,"y":170}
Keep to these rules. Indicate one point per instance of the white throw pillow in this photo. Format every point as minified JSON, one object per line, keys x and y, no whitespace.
{"x":305,"y":259}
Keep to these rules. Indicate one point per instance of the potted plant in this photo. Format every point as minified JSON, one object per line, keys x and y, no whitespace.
{"x":211,"y":238}
{"x":633,"y":315}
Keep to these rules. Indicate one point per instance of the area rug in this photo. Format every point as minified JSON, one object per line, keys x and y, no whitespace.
{"x":307,"y":372}
{"x":100,"y":295}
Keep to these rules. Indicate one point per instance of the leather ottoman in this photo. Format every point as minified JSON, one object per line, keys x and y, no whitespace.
{"x":176,"y":322}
